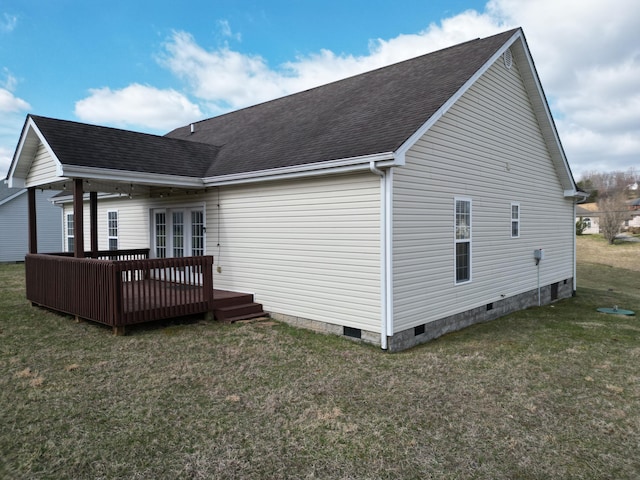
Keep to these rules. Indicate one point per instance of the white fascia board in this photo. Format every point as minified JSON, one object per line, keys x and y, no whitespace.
{"x":344,"y":165}
{"x":402,"y":151}
{"x":19,"y":181}
{"x":127,"y":176}
{"x":575,"y":193}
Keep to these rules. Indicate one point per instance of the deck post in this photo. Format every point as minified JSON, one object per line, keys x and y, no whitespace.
{"x":78,"y":223}
{"x":33,"y":229}
{"x":93,"y":216}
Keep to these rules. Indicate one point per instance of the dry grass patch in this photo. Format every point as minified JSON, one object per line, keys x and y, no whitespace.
{"x":595,"y":249}
{"x":551,"y":392}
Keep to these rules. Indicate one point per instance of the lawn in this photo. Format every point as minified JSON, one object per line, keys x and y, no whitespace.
{"x":547,"y":393}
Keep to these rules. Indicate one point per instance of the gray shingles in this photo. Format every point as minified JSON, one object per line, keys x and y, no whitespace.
{"x":102,"y":147}
{"x":375,"y":112}
{"x":371,"y":113}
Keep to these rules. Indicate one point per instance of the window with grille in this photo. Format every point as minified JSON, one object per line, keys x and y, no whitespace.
{"x":462,"y":240}
{"x":70,"y":233}
{"x":515,"y":220}
{"x":112,"y":227}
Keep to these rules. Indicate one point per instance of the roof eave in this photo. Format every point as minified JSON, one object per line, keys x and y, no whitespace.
{"x":128,"y":176}
{"x":344,"y":165}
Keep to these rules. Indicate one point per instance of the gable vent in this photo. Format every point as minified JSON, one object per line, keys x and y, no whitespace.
{"x":508,"y":59}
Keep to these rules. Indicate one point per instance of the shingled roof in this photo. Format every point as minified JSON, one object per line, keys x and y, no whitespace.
{"x":371,"y":113}
{"x":103,"y":147}
{"x":367,"y":114}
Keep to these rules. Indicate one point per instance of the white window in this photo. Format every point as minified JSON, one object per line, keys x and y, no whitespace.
{"x":70,"y":233}
{"x":179,"y":232}
{"x":112,"y":229}
{"x":515,"y":220}
{"x":197,"y":233}
{"x":160,"y":221}
{"x":462,"y":240}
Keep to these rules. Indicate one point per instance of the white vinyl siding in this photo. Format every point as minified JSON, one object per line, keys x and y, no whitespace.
{"x":307,"y":248}
{"x":14,"y":234}
{"x":487,"y":147}
{"x":43,"y":169}
{"x":133,"y":222}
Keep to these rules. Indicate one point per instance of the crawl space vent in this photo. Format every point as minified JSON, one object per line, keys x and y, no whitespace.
{"x":508,"y":59}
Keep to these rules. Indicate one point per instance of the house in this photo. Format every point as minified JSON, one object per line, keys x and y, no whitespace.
{"x":633,"y":222}
{"x":590,"y":214}
{"x":393,"y":206}
{"x":14,"y":221}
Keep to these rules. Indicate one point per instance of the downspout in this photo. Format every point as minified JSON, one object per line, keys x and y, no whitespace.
{"x":575,"y":246}
{"x":383,"y":252}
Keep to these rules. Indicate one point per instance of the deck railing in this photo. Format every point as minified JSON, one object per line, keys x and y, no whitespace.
{"x":130,"y":254}
{"x":120,"y":292}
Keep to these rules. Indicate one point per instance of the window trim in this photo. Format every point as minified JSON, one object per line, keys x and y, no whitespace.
{"x":468,"y":240}
{"x":517,"y":220}
{"x":186,"y":230}
{"x":117,"y":228}
{"x":69,"y":227}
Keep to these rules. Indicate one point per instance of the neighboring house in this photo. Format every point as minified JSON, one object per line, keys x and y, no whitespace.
{"x":634,"y":220}
{"x":395,"y":205}
{"x":14,"y":223}
{"x":590,"y":214}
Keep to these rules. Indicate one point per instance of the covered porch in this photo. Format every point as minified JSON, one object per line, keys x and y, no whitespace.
{"x":118,"y":287}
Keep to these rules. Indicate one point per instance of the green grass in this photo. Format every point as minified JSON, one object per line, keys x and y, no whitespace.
{"x":551,"y":392}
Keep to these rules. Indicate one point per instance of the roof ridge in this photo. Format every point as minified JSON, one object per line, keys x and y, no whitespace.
{"x":367,"y":72}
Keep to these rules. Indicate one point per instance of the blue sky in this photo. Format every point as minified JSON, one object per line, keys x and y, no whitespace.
{"x":152,"y":66}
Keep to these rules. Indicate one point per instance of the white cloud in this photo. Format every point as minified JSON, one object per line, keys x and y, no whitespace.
{"x":587,"y":55}
{"x":225,"y":30}
{"x":9,"y":103}
{"x":8,"y":23}
{"x":226,"y":79}
{"x":137,"y":106}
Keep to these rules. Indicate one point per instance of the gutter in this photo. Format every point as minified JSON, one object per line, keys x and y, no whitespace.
{"x":346,"y":165}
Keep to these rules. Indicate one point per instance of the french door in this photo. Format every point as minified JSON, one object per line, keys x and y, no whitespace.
{"x":179,"y":232}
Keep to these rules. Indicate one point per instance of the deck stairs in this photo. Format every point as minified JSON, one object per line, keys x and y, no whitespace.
{"x":235,"y":306}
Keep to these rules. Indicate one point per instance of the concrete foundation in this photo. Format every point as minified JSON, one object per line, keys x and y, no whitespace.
{"x":436,"y":328}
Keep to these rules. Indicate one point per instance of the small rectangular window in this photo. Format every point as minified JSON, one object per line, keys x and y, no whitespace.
{"x":515,"y":220}
{"x":462,"y":240}
{"x":112,"y":229}
{"x":70,"y":233}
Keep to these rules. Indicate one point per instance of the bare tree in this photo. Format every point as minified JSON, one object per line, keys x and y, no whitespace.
{"x":603,"y":183}
{"x":613,"y":212}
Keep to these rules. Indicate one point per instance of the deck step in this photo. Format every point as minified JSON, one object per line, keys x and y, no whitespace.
{"x":233,"y":306}
{"x":238,"y":312}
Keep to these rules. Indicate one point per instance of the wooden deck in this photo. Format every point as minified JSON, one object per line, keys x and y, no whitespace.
{"x":120,"y":292}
